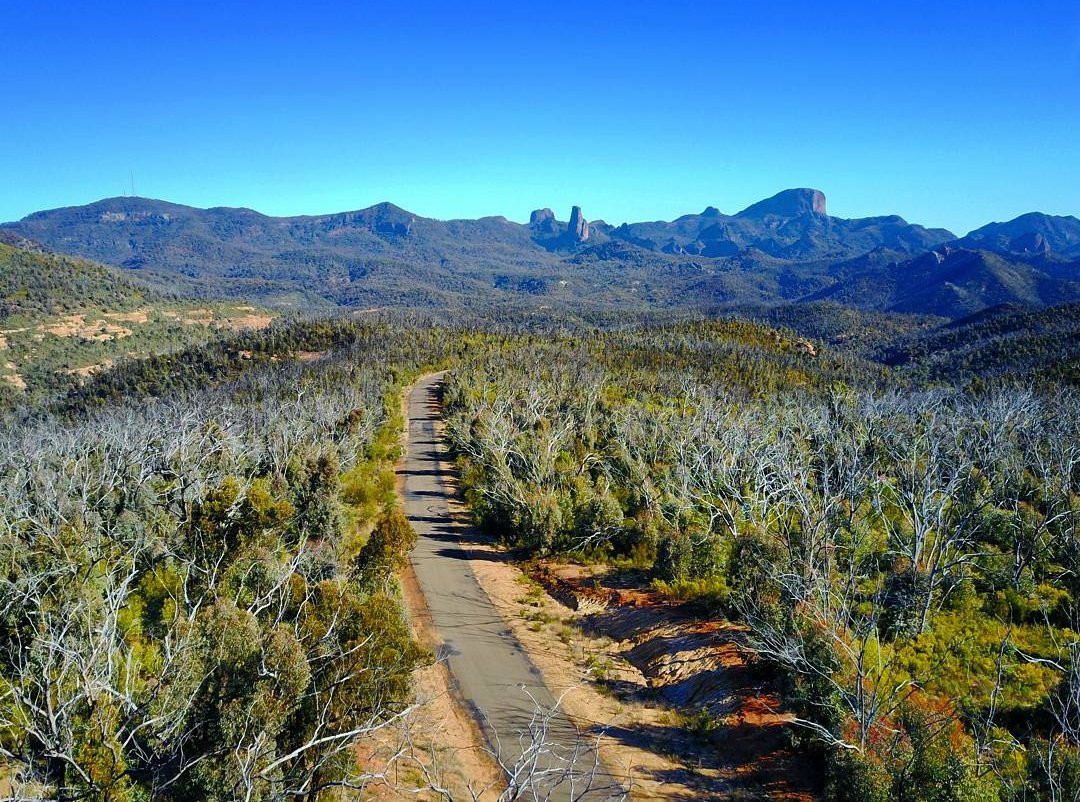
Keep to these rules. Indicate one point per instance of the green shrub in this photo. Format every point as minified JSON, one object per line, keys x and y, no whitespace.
{"x":673,"y":557}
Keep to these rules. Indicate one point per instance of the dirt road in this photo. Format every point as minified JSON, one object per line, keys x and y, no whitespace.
{"x":491,"y":671}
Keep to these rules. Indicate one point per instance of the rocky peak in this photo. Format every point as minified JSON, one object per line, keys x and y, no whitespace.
{"x":540,"y":216}
{"x":1030,"y":242}
{"x":578,"y":228}
{"x":789,"y":203}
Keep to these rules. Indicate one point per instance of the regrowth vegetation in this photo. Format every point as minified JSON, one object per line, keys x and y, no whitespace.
{"x":196,"y":601}
{"x":198,"y":598}
{"x":905,"y":558}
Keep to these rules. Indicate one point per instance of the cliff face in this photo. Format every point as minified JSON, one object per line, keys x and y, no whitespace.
{"x":789,"y":203}
{"x":578,"y":229}
{"x":543,"y":220}
{"x":541,"y":216}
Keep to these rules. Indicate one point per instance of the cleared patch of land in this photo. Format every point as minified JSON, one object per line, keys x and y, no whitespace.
{"x":12,"y":377}
{"x":79,"y":326}
{"x":42,"y":351}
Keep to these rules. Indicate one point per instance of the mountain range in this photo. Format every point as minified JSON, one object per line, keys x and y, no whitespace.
{"x":786,"y":248}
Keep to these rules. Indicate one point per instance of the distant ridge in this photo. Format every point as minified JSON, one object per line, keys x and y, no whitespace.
{"x":792,"y":224}
{"x":781,"y":249}
{"x":1031,"y":233}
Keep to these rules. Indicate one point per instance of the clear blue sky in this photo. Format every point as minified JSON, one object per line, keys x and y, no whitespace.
{"x":949,"y":113}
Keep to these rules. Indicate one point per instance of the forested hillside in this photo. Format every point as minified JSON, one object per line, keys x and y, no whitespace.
{"x":953,"y":283}
{"x":197,"y":602}
{"x":1008,"y":344}
{"x":62,"y":319}
{"x":1027,"y":346}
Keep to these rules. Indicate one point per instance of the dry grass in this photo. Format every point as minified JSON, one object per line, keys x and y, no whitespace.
{"x":138,"y":316}
{"x":250,"y":321}
{"x":89,"y":370}
{"x":99,"y":329}
{"x":13,"y":378}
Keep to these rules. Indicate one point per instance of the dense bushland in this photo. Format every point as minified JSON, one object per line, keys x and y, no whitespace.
{"x":907,"y":558}
{"x":191,"y":605}
{"x":197,"y":598}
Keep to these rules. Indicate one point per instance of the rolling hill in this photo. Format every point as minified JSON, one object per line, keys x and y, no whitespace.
{"x":950,"y":282}
{"x":63,"y":318}
{"x":1006,"y":342}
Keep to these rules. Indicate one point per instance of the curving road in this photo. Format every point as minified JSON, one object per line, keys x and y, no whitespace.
{"x":492,"y":672}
